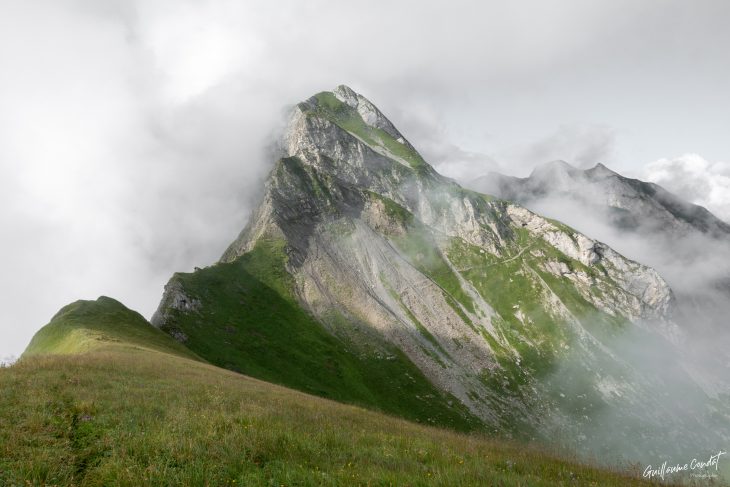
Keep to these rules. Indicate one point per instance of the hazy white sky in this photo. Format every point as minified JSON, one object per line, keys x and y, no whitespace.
{"x":134,"y":134}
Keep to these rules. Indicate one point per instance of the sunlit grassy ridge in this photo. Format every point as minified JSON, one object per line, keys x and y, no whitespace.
{"x":128,"y":416}
{"x":89,"y":325}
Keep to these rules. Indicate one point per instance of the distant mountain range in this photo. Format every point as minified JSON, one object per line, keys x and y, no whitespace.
{"x":630,"y":203}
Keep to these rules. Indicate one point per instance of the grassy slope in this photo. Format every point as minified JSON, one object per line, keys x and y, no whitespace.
{"x":129,"y":416}
{"x":250,"y":322}
{"x":89,"y":325}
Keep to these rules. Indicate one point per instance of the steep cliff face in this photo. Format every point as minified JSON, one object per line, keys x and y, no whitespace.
{"x":687,"y":244}
{"x":484,"y":299}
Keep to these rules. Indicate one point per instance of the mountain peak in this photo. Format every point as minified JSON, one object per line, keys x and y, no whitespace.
{"x":562,"y":167}
{"x":352,"y":134}
{"x":641,"y":205}
{"x":346,"y":95}
{"x":600,"y":170}
{"x":556,"y":166}
{"x":370,"y":114}
{"x":556,"y":174}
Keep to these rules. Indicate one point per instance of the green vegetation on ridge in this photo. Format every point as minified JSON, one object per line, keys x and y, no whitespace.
{"x":347,"y":118}
{"x":251,"y":322}
{"x":90,"y":325}
{"x":516,"y":285}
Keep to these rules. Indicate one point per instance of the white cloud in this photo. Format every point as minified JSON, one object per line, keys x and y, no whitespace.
{"x":133,"y":134}
{"x":695,"y":179}
{"x":433,"y":140}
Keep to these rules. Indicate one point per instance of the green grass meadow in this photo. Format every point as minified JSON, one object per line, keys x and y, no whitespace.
{"x":130,"y":416}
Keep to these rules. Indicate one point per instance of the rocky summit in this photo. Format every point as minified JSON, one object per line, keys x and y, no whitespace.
{"x":630,"y":204}
{"x":365,"y":276}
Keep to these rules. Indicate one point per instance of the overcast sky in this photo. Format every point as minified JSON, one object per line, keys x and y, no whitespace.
{"x":134,"y":134}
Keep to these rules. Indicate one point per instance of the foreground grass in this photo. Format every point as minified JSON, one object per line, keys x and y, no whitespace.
{"x":120,"y":416}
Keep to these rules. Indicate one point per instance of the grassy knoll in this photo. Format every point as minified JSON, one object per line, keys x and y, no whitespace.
{"x":90,"y":325}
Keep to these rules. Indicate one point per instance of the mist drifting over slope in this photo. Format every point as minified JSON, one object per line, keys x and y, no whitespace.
{"x":684,"y":375}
